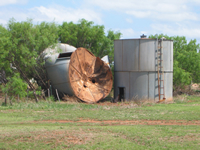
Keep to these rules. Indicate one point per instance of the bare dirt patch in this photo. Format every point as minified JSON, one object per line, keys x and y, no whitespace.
{"x":127,"y":122}
{"x":55,"y":137}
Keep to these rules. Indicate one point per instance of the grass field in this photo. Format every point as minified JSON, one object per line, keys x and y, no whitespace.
{"x":63,"y":125}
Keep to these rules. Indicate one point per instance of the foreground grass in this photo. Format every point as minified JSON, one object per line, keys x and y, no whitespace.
{"x":31,"y":111}
{"x":19,"y":131}
{"x":63,"y":136}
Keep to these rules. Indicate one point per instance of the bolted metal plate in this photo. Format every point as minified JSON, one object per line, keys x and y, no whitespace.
{"x":90,"y":77}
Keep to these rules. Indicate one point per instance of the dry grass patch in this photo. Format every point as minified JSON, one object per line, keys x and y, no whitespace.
{"x":182,"y":139}
{"x":54,"y":137}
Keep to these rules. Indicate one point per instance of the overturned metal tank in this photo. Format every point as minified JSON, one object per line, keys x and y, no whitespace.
{"x":78,"y":72}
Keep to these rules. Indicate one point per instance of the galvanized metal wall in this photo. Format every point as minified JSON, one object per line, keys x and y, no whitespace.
{"x":135,"y":68}
{"x":57,"y":68}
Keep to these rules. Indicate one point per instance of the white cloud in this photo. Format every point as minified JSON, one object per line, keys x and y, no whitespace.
{"x":54,"y":13}
{"x":177,"y":17}
{"x":127,"y":33}
{"x":179,"y":29}
{"x":196,"y":1}
{"x":157,"y":5}
{"x":8,"y":2}
{"x":129,"y":20}
{"x":3,"y":21}
{"x":168,"y":10}
{"x":60,"y":14}
{"x":139,"y":14}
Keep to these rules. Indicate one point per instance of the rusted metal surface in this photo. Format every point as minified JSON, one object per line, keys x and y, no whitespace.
{"x":90,"y":77}
{"x":78,"y":72}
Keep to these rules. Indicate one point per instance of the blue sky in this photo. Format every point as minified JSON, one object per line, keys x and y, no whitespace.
{"x":131,"y":17}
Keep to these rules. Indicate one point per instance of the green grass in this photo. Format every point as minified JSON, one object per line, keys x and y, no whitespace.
{"x":60,"y":136}
{"x":180,"y":110}
{"x":19,"y":131}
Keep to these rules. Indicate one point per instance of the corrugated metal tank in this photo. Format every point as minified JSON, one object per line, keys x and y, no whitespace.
{"x":136,"y":71}
{"x":76,"y":71}
{"x":57,"y":68}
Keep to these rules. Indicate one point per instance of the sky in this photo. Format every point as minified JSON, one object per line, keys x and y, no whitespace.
{"x":130,"y":17}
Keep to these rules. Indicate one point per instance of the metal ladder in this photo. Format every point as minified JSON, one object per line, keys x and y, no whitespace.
{"x":161,"y":90}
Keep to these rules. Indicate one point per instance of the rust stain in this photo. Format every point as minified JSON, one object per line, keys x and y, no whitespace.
{"x":90,"y":77}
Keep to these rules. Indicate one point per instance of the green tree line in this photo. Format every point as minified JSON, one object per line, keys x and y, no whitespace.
{"x":21,"y":45}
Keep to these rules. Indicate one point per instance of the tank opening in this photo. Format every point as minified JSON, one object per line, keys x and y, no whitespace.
{"x":65,"y":55}
{"x":121,"y":94}
{"x":93,"y":81}
{"x":84,"y":86}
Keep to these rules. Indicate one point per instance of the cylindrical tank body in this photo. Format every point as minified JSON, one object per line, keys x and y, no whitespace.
{"x":136,"y":68}
{"x":78,"y":72}
{"x":57,"y":67}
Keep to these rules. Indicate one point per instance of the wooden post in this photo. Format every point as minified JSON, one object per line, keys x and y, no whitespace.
{"x":43,"y":94}
{"x":27,"y":94}
{"x":48,"y":93}
{"x":57,"y":95}
{"x":6,"y":99}
{"x":11,"y":100}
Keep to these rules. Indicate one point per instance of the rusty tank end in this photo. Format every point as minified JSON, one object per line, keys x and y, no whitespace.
{"x":90,"y":77}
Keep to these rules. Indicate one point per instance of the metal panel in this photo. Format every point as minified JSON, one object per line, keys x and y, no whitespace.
{"x":63,"y":87}
{"x":147,"y":55}
{"x":171,"y":56}
{"x":122,"y":80}
{"x":152,"y":86}
{"x":51,"y":54}
{"x":168,"y":85}
{"x":66,"y":48}
{"x":55,"y":71}
{"x":138,"y":85}
{"x":156,"y":97}
{"x":167,"y":56}
{"x":130,"y":55}
{"x":118,"y":55}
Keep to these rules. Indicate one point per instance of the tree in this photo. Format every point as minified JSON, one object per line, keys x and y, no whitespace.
{"x":86,"y":34}
{"x":186,"y":67}
{"x":22,"y":45}
{"x":14,"y":86}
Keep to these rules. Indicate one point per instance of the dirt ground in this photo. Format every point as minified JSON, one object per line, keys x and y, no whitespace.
{"x":127,"y":122}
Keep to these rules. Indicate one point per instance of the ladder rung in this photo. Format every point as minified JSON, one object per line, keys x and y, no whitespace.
{"x":159,"y":53}
{"x":161,"y":94}
{"x":160,"y":60}
{"x":160,"y":67}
